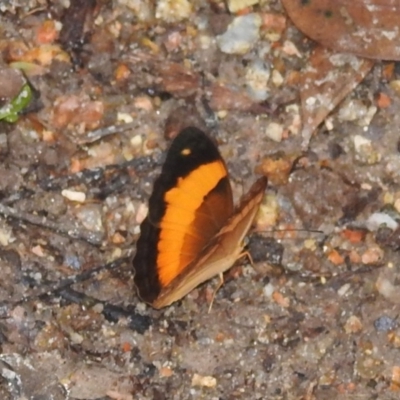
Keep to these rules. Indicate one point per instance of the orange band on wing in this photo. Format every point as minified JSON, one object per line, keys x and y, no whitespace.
{"x":177,"y":223}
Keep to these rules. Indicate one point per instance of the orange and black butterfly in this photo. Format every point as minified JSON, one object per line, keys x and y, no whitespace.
{"x":192,"y":232}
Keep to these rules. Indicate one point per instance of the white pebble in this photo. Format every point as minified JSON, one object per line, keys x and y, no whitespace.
{"x":257,"y":76}
{"x":274,"y":131}
{"x":241,"y":35}
{"x":124,"y":117}
{"x":277,"y":78}
{"x":268,"y":290}
{"x":344,"y":289}
{"x":73,"y":195}
{"x":378,"y":219}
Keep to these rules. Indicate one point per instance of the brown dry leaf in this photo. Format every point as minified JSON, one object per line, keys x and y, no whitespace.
{"x":326,"y":81}
{"x":367,"y":28}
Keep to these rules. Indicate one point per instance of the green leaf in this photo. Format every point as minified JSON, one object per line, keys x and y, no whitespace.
{"x":10,"y":111}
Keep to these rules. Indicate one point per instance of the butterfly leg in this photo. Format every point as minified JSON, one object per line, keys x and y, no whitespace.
{"x":248,"y":255}
{"x":221,"y":282}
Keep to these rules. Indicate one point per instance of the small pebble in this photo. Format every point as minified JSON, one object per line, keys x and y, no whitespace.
{"x":396,"y":205}
{"x":395,"y":383}
{"x":124,"y":117}
{"x":136,"y":141}
{"x":280,"y":299}
{"x":277,"y":78}
{"x":90,"y":217}
{"x":395,"y":85}
{"x":6,"y":237}
{"x":372,"y":255}
{"x":173,"y":10}
{"x":384,"y":324}
{"x":365,"y":151}
{"x":142,"y":9}
{"x":166,"y":372}
{"x":257,"y":76}
{"x":352,"y":110}
{"x":76,"y":338}
{"x":361,"y":142}
{"x":356,"y":110}
{"x":73,"y":195}
{"x":241,"y":35}
{"x":274,"y":131}
{"x":143,"y":103}
{"x":353,"y":325}
{"x":37,"y":250}
{"x":379,"y":219}
{"x":238,"y":5}
{"x":388,"y":290}
{"x":344,"y":289}
{"x":205,"y":381}
{"x":72,"y":261}
{"x":290,"y":49}
{"x":268,"y":290}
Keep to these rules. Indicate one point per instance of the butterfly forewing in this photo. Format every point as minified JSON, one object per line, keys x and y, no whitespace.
{"x":190,"y":203}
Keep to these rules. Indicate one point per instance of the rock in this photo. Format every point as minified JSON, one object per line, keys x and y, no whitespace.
{"x":241,"y":35}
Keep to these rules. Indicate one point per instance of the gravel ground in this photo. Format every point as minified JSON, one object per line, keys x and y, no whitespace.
{"x":314,"y":317}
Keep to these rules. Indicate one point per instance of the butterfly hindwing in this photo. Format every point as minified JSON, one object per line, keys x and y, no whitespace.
{"x":221,"y":251}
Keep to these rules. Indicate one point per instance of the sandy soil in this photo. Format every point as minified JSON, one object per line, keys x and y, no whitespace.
{"x":315,"y":317}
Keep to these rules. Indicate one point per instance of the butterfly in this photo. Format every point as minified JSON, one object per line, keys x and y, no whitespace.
{"x":192,"y":231}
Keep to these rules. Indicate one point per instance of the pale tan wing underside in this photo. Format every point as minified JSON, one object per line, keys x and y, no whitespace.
{"x":221,"y":253}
